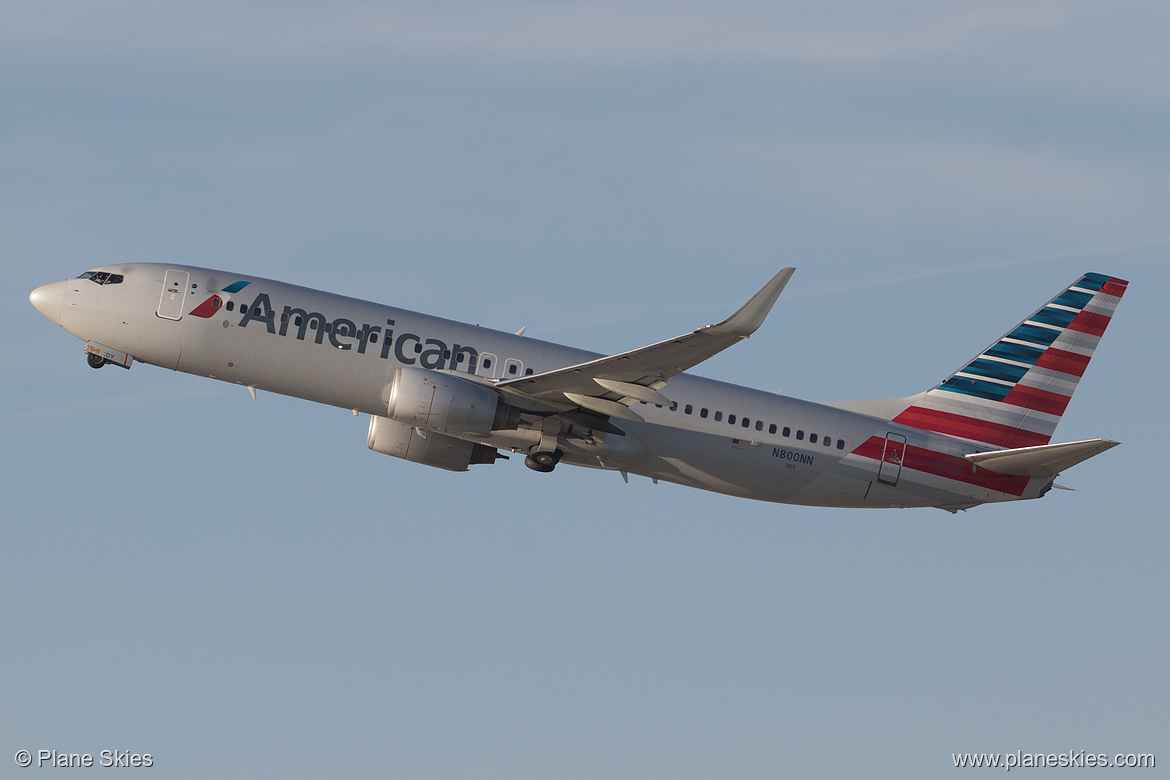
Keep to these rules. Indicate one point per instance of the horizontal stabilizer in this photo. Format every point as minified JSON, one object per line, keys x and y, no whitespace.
{"x":1047,"y":460}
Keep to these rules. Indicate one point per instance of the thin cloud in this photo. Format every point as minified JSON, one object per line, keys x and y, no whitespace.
{"x":978,"y":266}
{"x":602,"y":33}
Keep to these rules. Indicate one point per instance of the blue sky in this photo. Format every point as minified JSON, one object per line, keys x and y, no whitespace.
{"x":241,"y":588}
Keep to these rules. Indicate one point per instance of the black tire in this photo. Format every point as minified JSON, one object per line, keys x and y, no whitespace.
{"x":95,"y":361}
{"x":544,"y":462}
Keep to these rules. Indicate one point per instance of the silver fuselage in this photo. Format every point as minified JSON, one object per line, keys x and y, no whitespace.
{"x":341,"y":351}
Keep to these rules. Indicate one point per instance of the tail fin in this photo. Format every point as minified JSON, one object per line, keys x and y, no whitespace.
{"x":1014,"y":392}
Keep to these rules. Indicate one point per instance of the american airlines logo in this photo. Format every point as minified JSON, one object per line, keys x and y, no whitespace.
{"x":213,"y":304}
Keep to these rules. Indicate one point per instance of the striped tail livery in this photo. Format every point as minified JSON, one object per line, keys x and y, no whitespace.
{"x":1014,"y":392}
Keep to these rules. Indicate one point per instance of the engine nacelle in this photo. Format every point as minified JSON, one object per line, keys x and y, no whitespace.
{"x":391,"y":437}
{"x":433,"y":401}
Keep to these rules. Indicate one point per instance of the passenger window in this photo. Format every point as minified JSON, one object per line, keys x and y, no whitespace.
{"x":772,"y":428}
{"x":800,"y":435}
{"x":812,"y":438}
{"x":703,"y":412}
{"x":731,"y":419}
{"x":298,"y":321}
{"x":746,"y":422}
{"x":828,"y":441}
{"x":718,"y":416}
{"x":688,"y":409}
{"x":512,"y":369}
{"x":840,"y":444}
{"x":231,"y":305}
{"x":674,"y":406}
{"x":787,"y":431}
{"x":528,"y":372}
{"x":487,"y":362}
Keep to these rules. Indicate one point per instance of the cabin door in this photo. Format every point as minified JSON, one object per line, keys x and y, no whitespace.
{"x":174,"y":292}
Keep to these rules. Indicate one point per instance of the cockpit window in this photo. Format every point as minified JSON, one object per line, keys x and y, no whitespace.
{"x":102,"y":277}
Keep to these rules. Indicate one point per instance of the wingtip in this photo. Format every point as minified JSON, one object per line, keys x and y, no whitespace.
{"x":752,"y":314}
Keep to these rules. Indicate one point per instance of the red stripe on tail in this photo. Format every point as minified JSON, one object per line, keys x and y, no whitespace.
{"x":1114,"y":286}
{"x":1088,"y":322}
{"x":970,"y":428}
{"x":1039,"y":400}
{"x":1064,"y":362}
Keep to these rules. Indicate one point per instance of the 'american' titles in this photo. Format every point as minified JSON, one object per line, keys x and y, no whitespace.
{"x":344,"y":334}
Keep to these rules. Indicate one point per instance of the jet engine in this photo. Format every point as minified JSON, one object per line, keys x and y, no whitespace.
{"x":434,"y":401}
{"x":391,"y":437}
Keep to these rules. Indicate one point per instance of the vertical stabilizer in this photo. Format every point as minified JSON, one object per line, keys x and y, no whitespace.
{"x":1014,"y":392}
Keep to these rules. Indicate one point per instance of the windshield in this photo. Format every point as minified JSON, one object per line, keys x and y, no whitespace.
{"x":102,"y":277}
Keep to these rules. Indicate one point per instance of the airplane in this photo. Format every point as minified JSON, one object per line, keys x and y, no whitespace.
{"x":453,"y":395}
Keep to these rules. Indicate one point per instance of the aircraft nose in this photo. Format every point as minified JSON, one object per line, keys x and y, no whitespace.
{"x":49,"y":298}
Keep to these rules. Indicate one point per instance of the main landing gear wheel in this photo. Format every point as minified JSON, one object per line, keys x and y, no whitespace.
{"x":544,"y":462}
{"x":95,"y":361}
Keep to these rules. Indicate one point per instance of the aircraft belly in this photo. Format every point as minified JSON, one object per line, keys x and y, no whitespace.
{"x":722,"y":464}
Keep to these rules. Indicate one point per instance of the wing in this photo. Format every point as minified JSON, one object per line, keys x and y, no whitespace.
{"x":610,"y":385}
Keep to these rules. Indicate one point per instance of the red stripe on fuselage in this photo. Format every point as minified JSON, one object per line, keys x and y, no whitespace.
{"x":970,"y":428}
{"x":946,"y":466}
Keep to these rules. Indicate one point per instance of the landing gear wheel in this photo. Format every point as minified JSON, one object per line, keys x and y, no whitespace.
{"x":544,"y":462}
{"x":95,"y":361}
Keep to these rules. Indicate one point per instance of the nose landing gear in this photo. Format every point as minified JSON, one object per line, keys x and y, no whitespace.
{"x":98,"y":355}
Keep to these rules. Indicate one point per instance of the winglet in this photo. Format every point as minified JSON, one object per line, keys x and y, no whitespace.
{"x":751,"y":315}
